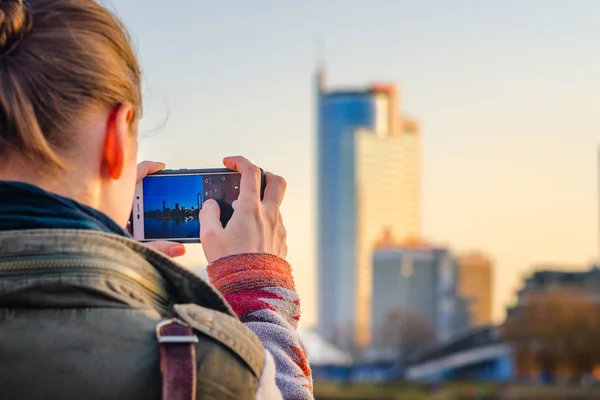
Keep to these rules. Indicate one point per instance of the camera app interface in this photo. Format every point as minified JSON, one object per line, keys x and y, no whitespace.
{"x":172,"y":203}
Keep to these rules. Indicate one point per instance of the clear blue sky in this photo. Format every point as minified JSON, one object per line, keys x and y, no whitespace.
{"x":508,"y":93}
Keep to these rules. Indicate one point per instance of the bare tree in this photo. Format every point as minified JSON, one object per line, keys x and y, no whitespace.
{"x":406,"y":331}
{"x":557,"y":328}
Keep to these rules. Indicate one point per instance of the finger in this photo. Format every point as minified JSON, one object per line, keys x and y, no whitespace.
{"x":210,"y":222}
{"x":251,"y":176}
{"x":169,"y":248}
{"x":274,"y":191}
{"x":146,"y":168}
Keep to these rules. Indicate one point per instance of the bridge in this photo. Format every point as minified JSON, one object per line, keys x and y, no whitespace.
{"x":478,"y":354}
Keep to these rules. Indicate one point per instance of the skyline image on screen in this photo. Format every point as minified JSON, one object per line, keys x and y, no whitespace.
{"x":172,"y":205}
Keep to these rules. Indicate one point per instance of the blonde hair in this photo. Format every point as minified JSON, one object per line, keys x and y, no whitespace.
{"x":59,"y":59}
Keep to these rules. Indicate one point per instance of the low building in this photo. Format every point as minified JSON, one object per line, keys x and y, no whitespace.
{"x":415,"y":295}
{"x":555,"y":323}
{"x":475,"y":283}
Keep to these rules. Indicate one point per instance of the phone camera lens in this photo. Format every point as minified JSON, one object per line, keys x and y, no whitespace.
{"x":138,"y":197}
{"x":223,"y":179}
{"x":206,"y":180}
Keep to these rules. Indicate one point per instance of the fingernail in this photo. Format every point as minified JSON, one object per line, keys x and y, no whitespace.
{"x":177,"y":250}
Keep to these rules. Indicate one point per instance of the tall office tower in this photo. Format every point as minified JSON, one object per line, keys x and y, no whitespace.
{"x":475,"y":277}
{"x":368,"y":176}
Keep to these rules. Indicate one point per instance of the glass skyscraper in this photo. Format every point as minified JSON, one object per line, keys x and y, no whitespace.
{"x":368,"y":170}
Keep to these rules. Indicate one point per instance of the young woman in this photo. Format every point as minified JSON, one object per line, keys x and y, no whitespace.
{"x":85,"y":311}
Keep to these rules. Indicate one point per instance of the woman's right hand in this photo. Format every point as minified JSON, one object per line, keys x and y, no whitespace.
{"x":256,"y":226}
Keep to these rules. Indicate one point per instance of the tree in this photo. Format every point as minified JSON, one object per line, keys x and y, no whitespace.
{"x":557,"y":327}
{"x":406,"y":331}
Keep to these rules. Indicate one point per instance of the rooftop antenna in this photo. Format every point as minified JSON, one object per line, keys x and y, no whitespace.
{"x":320,"y":56}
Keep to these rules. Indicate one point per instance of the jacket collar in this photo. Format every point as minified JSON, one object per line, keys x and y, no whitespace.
{"x":24,"y":206}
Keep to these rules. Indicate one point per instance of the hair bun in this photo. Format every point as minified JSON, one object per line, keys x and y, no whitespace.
{"x":15,"y":21}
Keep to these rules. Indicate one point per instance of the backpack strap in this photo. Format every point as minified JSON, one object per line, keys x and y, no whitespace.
{"x":227,"y":330}
{"x":177,"y":343}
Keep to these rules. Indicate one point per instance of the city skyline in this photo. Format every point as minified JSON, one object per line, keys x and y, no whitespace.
{"x":507,"y":94}
{"x":368,"y":182}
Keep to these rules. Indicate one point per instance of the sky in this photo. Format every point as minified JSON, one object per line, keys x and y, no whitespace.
{"x":182,"y":190}
{"x":507,"y":92}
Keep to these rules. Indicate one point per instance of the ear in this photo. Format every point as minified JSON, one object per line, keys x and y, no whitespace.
{"x":117,"y":139}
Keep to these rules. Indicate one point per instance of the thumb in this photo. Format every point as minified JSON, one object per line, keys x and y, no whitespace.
{"x":210,"y":222}
{"x":168,"y":248}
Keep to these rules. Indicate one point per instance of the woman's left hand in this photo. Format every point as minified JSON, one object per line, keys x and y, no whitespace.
{"x":171,"y":249}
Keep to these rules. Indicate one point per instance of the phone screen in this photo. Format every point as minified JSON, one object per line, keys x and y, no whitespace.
{"x":171,"y":203}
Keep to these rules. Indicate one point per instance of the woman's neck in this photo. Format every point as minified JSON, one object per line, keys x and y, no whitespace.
{"x":64,"y":184}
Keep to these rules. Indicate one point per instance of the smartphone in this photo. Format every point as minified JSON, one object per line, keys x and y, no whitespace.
{"x":167,"y":204}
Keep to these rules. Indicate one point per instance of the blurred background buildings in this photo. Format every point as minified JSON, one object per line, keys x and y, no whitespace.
{"x":475,"y":284}
{"x":368,"y":177}
{"x":376,"y":275}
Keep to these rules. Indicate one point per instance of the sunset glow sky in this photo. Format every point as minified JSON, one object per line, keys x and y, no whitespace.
{"x":508,"y":94}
